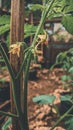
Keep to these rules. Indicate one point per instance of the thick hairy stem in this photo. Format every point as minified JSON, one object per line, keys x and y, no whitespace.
{"x":22,"y":65}
{"x":26,"y":92}
{"x":17,"y":103}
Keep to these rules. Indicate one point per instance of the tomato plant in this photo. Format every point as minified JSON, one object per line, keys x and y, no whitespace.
{"x":50,"y":9}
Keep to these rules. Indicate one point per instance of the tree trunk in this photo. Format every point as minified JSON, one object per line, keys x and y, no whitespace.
{"x":17,"y":35}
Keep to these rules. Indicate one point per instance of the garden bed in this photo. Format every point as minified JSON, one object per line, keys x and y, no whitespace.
{"x":40,"y":116}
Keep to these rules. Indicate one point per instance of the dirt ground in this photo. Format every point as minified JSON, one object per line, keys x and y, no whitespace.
{"x":47,"y":82}
{"x":40,"y":116}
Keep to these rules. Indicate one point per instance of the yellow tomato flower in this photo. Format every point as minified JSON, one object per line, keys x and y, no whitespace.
{"x":15,"y":49}
{"x":41,"y":40}
{"x":42,"y":37}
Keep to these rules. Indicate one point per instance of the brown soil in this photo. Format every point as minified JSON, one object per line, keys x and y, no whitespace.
{"x":48,"y":82}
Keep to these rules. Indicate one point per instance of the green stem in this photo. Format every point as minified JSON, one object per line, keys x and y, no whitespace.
{"x":26,"y":127}
{"x":26,"y":92}
{"x":14,"y":86}
{"x":7,"y":62}
{"x":17,"y":102}
{"x":8,"y":114}
{"x":62,"y":118}
{"x":46,"y":11}
{"x":15,"y":90}
{"x":22,"y":65}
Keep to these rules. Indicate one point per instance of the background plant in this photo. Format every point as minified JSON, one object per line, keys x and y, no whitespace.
{"x":65,"y":60}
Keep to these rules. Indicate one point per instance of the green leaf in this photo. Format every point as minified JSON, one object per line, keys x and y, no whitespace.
{"x":61,"y":7}
{"x":65,"y":59}
{"x":44,"y":99}
{"x":5,"y":19}
{"x":26,"y":35}
{"x":69,"y":123}
{"x":61,"y":56}
{"x":30,"y":30}
{"x":2,"y":80}
{"x":8,"y":40}
{"x":35,"y":7}
{"x":66,"y":98}
{"x":7,"y":123}
{"x":29,"y":27}
{"x":68,"y":6}
{"x":70,"y":51}
{"x":67,"y":22}
{"x":4,"y":28}
{"x":71,"y":70}
{"x":66,"y":78}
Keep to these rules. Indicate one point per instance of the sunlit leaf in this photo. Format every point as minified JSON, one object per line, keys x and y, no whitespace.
{"x":66,"y":78}
{"x":4,"y":29}
{"x":30,"y":30}
{"x":35,"y":7}
{"x":44,"y":99}
{"x":67,"y":22}
{"x":69,"y":123}
{"x":5,"y":19}
{"x":68,"y":6}
{"x":2,"y":80}
{"x":71,"y":70}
